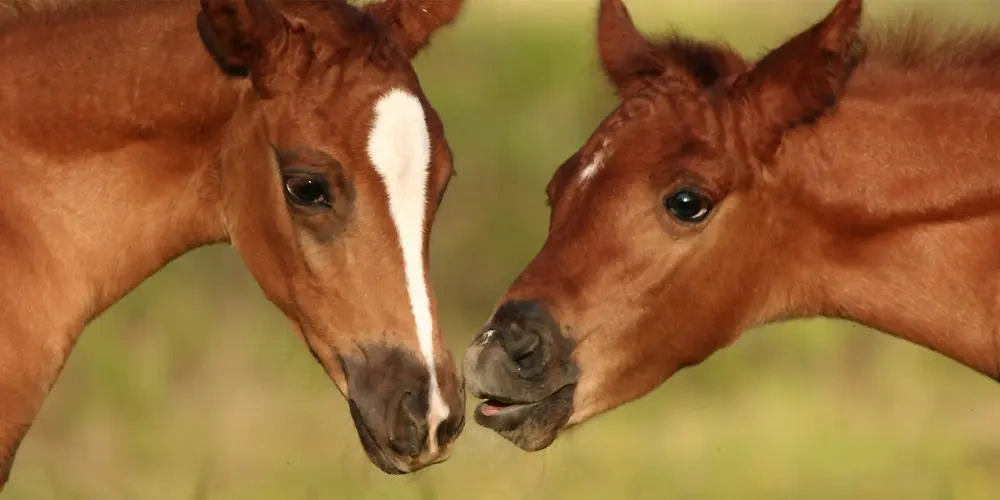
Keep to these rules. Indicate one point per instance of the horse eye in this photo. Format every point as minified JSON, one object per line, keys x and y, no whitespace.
{"x":688,"y":205}
{"x":308,"y":191}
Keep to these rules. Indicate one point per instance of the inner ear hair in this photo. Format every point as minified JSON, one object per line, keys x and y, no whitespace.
{"x":707,"y":63}
{"x":215,"y":50}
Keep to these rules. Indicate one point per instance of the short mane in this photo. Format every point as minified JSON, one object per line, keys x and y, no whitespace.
{"x":918,"y":42}
{"x":22,"y":11}
{"x":353,"y":22}
{"x":890,"y":50}
{"x":32,"y":11}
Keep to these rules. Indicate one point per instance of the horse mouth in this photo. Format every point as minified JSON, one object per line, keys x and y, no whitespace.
{"x":371,"y":447}
{"x":497,"y":406}
{"x":530,"y":425}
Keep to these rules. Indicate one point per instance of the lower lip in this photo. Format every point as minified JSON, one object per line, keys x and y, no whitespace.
{"x":493,"y":408}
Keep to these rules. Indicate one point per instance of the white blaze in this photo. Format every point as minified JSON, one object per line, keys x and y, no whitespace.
{"x":399,"y":146}
{"x":595,"y":164}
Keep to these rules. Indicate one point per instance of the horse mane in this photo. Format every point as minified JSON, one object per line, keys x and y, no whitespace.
{"x":353,"y":22}
{"x":890,"y":52}
{"x":918,"y":43}
{"x":29,"y":11}
{"x":25,"y":11}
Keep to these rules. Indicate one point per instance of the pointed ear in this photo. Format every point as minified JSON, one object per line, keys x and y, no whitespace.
{"x":244,"y":37}
{"x":631,"y":60}
{"x":412,"y":22}
{"x":628,"y":57}
{"x":802,"y":79}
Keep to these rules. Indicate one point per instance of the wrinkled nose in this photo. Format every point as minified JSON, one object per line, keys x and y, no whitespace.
{"x":523,"y":330}
{"x":405,"y":437}
{"x":418,"y":436}
{"x":521,"y":356}
{"x":406,"y":419}
{"x":408,"y":433}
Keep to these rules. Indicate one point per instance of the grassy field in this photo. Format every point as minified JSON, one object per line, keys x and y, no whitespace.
{"x":194,"y":387}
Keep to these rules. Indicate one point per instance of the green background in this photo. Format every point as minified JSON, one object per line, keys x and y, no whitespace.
{"x":195,"y":387}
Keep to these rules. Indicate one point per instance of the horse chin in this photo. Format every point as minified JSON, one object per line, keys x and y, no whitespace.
{"x":529,"y":426}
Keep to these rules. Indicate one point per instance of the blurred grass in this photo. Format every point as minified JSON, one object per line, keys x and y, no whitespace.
{"x":195,"y":387}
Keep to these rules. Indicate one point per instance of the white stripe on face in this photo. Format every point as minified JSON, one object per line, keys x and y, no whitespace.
{"x":595,"y":165}
{"x":399,"y":146}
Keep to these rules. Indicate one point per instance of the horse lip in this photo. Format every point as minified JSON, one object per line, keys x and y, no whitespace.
{"x":517,"y":412}
{"x":375,"y":452}
{"x":505,"y":400}
{"x":509,"y":417}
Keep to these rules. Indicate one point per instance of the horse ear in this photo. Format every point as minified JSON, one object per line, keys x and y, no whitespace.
{"x":243,"y":36}
{"x":627,"y":56}
{"x":631,"y":60}
{"x":802,"y":79}
{"x":412,"y":22}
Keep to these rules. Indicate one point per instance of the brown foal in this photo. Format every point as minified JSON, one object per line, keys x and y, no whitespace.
{"x":297,"y":132}
{"x":846,"y":174}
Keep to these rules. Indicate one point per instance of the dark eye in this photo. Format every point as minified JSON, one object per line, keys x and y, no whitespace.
{"x":308,"y":191}
{"x":688,"y":205}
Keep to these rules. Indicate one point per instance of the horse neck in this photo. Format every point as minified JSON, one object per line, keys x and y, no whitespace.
{"x":904,"y":193}
{"x":112,"y":153}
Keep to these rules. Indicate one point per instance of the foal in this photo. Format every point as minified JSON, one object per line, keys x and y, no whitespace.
{"x":840,"y":176}
{"x":131,"y":133}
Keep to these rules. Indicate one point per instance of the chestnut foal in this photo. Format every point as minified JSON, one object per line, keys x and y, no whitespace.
{"x":297,"y":132}
{"x":841,"y":175}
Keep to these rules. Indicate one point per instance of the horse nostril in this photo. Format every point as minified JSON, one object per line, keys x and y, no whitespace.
{"x":525,"y":332}
{"x":450,"y":429}
{"x":523,"y":348}
{"x":409,"y":431}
